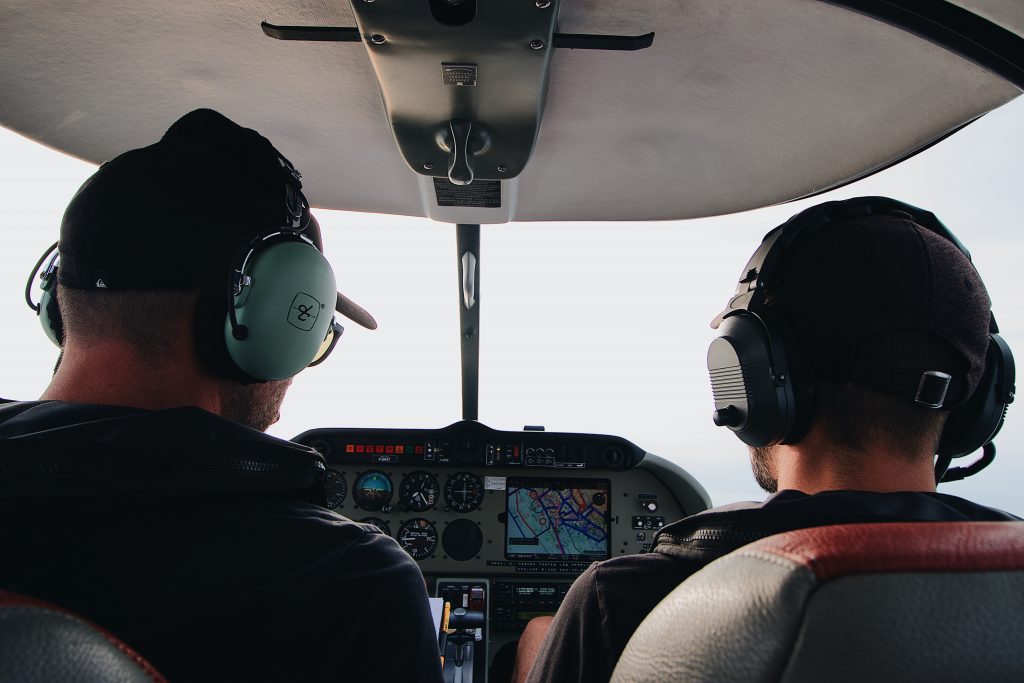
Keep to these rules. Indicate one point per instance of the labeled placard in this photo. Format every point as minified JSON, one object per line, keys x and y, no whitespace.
{"x":458,"y":74}
{"x":480,"y":194}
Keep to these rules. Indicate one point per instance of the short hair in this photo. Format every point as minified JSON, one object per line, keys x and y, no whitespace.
{"x":858,"y":417}
{"x":149,"y":320}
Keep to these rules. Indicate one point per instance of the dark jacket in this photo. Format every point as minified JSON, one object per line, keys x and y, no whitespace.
{"x":608,"y":601}
{"x":201,"y":544}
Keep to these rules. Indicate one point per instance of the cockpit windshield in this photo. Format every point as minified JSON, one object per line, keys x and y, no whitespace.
{"x":588,"y":326}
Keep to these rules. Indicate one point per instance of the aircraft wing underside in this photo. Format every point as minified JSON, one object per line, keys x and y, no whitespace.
{"x":736,"y":104}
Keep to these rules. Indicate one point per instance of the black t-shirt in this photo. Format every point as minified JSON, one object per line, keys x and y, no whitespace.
{"x":215,"y":586}
{"x":609,"y":600}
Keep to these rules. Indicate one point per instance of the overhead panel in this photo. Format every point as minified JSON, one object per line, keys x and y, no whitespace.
{"x":463,"y":84}
{"x":736,"y":104}
{"x":462,"y":81}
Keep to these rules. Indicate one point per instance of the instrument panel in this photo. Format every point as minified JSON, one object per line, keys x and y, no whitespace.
{"x":469,"y":499}
{"x":504,"y":521}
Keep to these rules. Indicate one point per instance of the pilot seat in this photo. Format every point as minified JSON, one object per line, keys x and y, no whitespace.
{"x":42,"y":643}
{"x":867,"y":602}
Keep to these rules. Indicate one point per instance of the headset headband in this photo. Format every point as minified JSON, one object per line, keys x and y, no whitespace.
{"x":49,"y":271}
{"x":297,"y":218}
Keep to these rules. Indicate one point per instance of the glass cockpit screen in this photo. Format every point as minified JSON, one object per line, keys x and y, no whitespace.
{"x":557,"y":519}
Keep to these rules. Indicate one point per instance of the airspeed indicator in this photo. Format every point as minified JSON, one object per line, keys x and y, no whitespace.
{"x":337,"y":488}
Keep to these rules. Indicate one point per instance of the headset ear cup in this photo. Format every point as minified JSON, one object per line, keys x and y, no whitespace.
{"x":791,"y":359}
{"x":209,"y":336}
{"x":286,"y":310}
{"x":49,"y":312}
{"x":975,"y":423}
{"x":750,"y":380}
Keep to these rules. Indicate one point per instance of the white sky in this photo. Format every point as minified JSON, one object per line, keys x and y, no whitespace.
{"x":595,"y":327}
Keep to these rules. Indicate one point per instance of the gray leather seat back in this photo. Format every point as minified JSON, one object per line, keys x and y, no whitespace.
{"x":949,"y":626}
{"x":879,"y":602}
{"x":42,"y":643}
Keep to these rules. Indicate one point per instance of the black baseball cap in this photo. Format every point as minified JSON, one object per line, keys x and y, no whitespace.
{"x":175,"y":214}
{"x":878,"y":300}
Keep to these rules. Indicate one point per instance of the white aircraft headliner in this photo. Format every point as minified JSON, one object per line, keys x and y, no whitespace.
{"x":738,"y":104}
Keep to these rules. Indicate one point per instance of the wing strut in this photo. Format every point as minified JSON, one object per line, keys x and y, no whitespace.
{"x":468,"y":243}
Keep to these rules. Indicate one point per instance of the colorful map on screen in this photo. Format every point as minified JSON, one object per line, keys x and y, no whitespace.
{"x":561,"y":521}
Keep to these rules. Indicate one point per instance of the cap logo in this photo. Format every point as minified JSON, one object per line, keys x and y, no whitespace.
{"x":304,"y":311}
{"x":100,"y":284}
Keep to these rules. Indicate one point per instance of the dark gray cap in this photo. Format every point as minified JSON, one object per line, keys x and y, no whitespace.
{"x":879,"y":300}
{"x":175,"y":214}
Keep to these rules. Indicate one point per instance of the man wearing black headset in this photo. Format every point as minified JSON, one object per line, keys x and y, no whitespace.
{"x":867,"y":346}
{"x":139,"y":491}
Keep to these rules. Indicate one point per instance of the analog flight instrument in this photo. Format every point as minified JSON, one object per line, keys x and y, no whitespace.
{"x":418,"y":537}
{"x":463,"y":492}
{"x":381,"y":524}
{"x":337,"y":488}
{"x":419,"y":491}
{"x":373,"y":490}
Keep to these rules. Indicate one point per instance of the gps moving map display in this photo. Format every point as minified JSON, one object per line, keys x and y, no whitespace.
{"x":557,"y":519}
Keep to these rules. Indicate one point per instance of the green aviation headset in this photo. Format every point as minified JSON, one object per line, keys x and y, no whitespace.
{"x":279,"y":295}
{"x":46,"y":309}
{"x":280,"y":316}
{"x":762,"y":384}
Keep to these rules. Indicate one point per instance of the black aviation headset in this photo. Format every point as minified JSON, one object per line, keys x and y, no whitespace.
{"x":762,"y":384}
{"x":272,"y":315}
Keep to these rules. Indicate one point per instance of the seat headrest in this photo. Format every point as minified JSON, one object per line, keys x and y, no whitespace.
{"x":834,"y":551}
{"x":923,"y":601}
{"x":40,"y":642}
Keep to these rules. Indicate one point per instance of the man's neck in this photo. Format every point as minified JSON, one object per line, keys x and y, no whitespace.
{"x":817,"y":464}
{"x":111,"y":373}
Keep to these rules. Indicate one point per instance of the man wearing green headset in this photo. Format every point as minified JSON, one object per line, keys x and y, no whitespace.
{"x":187,"y":289}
